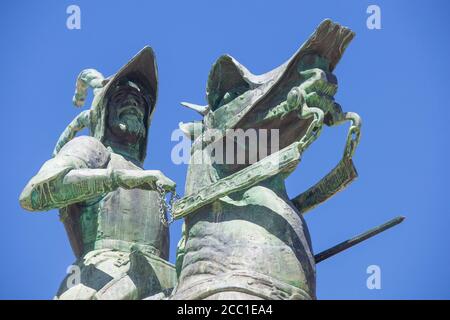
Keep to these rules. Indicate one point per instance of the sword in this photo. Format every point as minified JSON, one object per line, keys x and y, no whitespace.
{"x":355,"y":240}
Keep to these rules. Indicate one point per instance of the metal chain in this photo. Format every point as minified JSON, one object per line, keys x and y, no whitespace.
{"x":162,"y":204}
{"x":311,"y":134}
{"x":164,"y":207}
{"x":315,"y":127}
{"x":353,"y":135}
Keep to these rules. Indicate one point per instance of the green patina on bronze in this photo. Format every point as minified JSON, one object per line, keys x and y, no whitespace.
{"x":109,"y":205}
{"x":244,"y":238}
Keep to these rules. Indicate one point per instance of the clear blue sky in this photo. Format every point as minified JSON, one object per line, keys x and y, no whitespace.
{"x":396,"y":78}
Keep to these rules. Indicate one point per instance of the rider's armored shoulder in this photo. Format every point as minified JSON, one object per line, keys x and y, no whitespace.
{"x":88,"y":149}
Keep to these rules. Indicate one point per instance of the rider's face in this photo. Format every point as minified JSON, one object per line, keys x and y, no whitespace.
{"x":126,"y":115}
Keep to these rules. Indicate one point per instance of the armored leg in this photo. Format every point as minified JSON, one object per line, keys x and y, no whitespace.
{"x":114,"y":275}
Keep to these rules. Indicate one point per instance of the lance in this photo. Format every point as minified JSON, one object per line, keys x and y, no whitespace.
{"x":355,"y":240}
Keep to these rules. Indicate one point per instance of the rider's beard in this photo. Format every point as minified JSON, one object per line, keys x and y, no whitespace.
{"x":130,"y":127}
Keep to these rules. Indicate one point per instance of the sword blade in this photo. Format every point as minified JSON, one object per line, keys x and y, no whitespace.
{"x":355,"y":240}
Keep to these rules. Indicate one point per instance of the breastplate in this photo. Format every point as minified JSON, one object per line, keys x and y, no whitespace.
{"x":125,"y":218}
